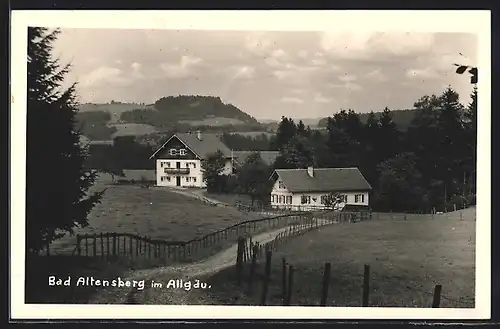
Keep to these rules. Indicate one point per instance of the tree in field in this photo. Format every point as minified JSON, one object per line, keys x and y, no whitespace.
{"x":57,"y":184}
{"x":338,"y":144}
{"x":332,"y":200}
{"x":470,"y":121}
{"x":450,"y":164}
{"x":213,"y":167}
{"x":400,"y":184}
{"x":253,"y":179}
{"x":388,"y":136}
{"x":370,"y":157}
{"x":286,"y":131}
{"x":297,"y":153}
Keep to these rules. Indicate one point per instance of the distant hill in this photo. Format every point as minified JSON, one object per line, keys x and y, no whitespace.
{"x":402,"y":118}
{"x":186,"y":109}
{"x":106,"y":121}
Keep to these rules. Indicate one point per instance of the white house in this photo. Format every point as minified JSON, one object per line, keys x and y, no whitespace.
{"x":305,"y":189}
{"x":179,"y":159}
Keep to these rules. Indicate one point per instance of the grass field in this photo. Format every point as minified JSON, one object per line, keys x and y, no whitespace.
{"x":407,"y":259}
{"x":149,"y":212}
{"x":155,"y":213}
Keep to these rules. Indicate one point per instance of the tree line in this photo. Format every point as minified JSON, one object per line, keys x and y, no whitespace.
{"x":428,"y":166}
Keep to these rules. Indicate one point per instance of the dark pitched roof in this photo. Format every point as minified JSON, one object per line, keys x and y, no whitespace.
{"x":324,"y":180}
{"x":208,"y":144}
{"x":267,"y":156}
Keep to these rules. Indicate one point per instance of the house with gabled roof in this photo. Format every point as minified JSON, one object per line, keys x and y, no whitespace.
{"x":179,"y":159}
{"x":305,"y":189}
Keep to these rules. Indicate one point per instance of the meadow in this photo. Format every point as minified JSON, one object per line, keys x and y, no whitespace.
{"x":155,"y":213}
{"x":407,"y":259}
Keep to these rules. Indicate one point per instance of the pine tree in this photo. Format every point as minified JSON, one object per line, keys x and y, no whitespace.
{"x":388,"y":136}
{"x":470,"y":123}
{"x":450,"y":141}
{"x":57,"y":183}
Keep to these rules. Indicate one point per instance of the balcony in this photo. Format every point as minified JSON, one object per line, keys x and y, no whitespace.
{"x":177,"y":171}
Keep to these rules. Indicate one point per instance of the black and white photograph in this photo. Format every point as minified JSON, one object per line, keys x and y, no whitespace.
{"x":194,"y":159}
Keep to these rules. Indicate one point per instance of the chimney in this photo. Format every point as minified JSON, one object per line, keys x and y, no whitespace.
{"x":310,"y":171}
{"x":198,"y":135}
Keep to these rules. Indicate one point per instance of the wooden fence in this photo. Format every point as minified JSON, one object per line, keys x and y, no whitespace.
{"x":287,"y":276}
{"x":248,"y":253}
{"x":128,"y":245}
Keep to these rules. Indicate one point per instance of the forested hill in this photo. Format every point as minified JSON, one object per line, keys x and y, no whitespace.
{"x":193,"y":110}
{"x":184,"y":112}
{"x":402,"y":118}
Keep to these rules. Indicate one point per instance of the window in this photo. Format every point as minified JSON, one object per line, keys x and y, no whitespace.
{"x":281,"y":185}
{"x":182,"y":152}
{"x":172,"y":152}
{"x":161,"y":164}
{"x":323,"y":199}
{"x":194,"y":179}
{"x":289,"y":199}
{"x":359,"y":198}
{"x":305,"y":199}
{"x":194,"y":164}
{"x":168,"y":164}
{"x":168,"y":178}
{"x":343,"y":198}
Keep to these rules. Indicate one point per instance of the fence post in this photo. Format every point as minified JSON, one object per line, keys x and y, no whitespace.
{"x":239,"y":259}
{"x":86,"y":245}
{"x":326,"y":284}
{"x":131,"y":246}
{"x":124,"y":245}
{"x":102,"y":245}
{"x":78,"y":247}
{"x":107,"y":245}
{"x":366,"y":285}
{"x":255,"y":250}
{"x":94,"y":246}
{"x":283,"y":279}
{"x":436,"y":300}
{"x":267,"y":274}
{"x":114,"y":244}
{"x":290,"y":286}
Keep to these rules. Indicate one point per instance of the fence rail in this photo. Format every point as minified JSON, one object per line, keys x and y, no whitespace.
{"x":113,"y":244}
{"x":249,"y":253}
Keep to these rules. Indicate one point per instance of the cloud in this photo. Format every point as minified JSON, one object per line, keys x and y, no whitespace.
{"x":294,"y":100}
{"x":104,"y":76}
{"x":348,"y":86}
{"x":347,"y":77}
{"x":182,"y":69}
{"x":258,"y":42}
{"x":376,"y":75}
{"x":319,"y":98}
{"x":369,"y":45}
{"x":243,"y":72}
{"x":427,"y":73}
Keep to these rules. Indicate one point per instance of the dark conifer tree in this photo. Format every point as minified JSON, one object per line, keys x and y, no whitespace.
{"x":57,"y":184}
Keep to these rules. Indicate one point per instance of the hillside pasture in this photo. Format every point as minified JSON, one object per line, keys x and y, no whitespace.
{"x":215,"y":121}
{"x":132,"y":129}
{"x":152,"y":212}
{"x":407,"y":259}
{"x":255,"y":133}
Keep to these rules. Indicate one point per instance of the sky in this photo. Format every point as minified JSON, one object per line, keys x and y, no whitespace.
{"x":264,"y":73}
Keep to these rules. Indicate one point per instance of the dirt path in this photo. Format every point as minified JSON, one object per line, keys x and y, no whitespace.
{"x":185,"y":272}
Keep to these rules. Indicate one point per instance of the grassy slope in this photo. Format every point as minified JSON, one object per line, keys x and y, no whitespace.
{"x":154,"y":213}
{"x":407,"y":258}
{"x":130,"y":209}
